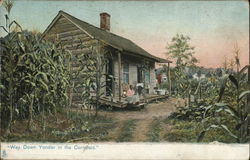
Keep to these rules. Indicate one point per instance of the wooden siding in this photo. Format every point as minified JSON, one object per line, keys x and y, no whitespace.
{"x":152,"y":78}
{"x":133,"y":63}
{"x":71,"y":37}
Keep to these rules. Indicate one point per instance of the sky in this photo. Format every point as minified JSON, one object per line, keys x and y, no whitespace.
{"x":213,"y":26}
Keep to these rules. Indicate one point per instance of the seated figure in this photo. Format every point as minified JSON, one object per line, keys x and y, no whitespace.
{"x":131,"y":97}
{"x":130,"y":91}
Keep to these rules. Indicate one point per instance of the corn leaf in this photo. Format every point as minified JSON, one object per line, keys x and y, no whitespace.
{"x":233,"y":80}
{"x":228,"y":131}
{"x":243,"y":69}
{"x":243,"y":94}
{"x":222,"y":87}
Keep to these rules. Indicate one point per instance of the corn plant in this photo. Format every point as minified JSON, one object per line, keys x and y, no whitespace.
{"x":92,"y":74}
{"x":233,"y":107}
{"x":34,"y":77}
{"x":32,"y":73}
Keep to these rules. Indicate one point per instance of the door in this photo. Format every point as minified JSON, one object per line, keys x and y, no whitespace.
{"x":139,"y":74}
{"x":109,"y":79}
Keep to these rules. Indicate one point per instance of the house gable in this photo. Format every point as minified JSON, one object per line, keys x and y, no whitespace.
{"x":113,"y":40}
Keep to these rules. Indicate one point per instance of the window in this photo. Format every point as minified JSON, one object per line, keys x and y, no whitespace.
{"x":126,"y":73}
{"x":147,"y":75}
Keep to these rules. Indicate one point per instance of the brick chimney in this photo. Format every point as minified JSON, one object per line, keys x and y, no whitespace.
{"x":105,"y":21}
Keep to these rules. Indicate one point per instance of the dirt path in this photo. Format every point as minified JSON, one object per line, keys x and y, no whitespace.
{"x":145,"y":117}
{"x":141,"y":130}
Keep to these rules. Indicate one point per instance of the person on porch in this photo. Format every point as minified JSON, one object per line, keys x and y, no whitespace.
{"x":130,"y":92}
{"x":131,"y":97}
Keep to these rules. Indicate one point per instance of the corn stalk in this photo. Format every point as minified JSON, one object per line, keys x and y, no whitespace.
{"x":236,"y":109}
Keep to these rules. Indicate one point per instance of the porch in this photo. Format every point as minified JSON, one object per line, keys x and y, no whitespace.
{"x":122,"y":103}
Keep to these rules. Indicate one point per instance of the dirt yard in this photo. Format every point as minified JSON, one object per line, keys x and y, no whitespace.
{"x":120,"y":125}
{"x":143,"y":119}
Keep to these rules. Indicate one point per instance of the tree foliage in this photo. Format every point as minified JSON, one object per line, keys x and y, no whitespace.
{"x":181,"y":51}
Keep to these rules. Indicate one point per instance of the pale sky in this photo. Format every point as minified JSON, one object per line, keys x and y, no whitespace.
{"x":214,"y":26}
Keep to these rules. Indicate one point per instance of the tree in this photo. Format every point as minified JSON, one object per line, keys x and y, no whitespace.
{"x":182,"y":52}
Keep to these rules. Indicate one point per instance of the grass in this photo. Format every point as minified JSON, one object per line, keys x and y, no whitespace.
{"x":154,"y":130}
{"x":188,"y":131}
{"x":59,"y":128}
{"x":127,"y":130}
{"x":181,"y":131}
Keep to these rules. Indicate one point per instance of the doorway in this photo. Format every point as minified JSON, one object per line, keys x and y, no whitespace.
{"x":139,"y":74}
{"x":109,"y":77}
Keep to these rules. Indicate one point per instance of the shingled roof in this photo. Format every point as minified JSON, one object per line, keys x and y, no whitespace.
{"x":108,"y":37}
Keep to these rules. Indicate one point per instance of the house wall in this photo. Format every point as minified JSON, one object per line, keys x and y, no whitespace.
{"x":71,"y":37}
{"x":133,"y":63}
{"x":152,"y":78}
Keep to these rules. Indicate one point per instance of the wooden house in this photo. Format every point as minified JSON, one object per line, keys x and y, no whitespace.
{"x":128,"y":58}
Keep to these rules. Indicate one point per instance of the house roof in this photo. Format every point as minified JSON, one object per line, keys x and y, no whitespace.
{"x":107,"y":37}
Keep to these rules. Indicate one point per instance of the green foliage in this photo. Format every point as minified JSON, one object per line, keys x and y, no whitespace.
{"x":154,"y":130}
{"x":77,"y":127}
{"x":181,"y":51}
{"x":220,"y":103}
{"x":186,"y":131}
{"x":182,"y":131}
{"x":189,"y":113}
{"x":92,"y":73}
{"x":163,"y":85}
{"x":34,"y":76}
{"x":234,"y":107}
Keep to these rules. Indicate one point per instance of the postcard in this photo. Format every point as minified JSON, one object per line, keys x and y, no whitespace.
{"x":124,"y":79}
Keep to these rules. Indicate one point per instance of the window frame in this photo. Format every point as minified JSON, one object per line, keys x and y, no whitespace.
{"x":125,"y":80}
{"x":147,"y":70}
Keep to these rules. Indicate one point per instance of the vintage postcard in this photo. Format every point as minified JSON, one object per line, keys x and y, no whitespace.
{"x":124,"y":79}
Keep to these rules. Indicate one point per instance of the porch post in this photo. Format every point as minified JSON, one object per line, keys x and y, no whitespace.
{"x":169,"y":79}
{"x":119,"y":74}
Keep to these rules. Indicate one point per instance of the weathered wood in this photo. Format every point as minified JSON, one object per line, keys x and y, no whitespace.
{"x":119,"y":74}
{"x":83,"y":45}
{"x":63,"y":28}
{"x":70,"y":33}
{"x":64,"y":23}
{"x":136,"y":56}
{"x":75,"y":41}
{"x":80,"y":37}
{"x":50,"y":37}
{"x":82,"y":50}
{"x":62,"y":20}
